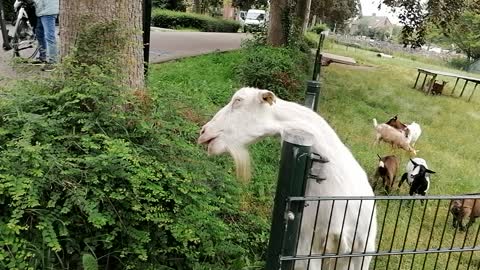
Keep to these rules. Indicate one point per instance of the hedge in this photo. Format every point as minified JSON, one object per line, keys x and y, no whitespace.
{"x":173,"y":19}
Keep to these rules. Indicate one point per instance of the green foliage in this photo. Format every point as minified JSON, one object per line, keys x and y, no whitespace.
{"x":464,"y":33}
{"x":318,"y":28}
{"x":335,"y":13}
{"x":177,"y":5}
{"x":461,"y":63}
{"x":281,"y":70}
{"x":88,"y":167}
{"x":89,"y":262}
{"x":173,"y":19}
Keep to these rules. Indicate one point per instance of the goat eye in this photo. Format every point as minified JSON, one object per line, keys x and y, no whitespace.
{"x":236,"y":102}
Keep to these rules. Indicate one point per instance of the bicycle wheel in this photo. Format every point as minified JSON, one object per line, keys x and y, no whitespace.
{"x":24,"y":43}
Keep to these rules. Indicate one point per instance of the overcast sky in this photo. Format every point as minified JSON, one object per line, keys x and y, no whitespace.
{"x":371,"y":6}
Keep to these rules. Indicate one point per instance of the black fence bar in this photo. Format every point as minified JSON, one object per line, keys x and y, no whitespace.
{"x":147,"y":18}
{"x":378,"y":254}
{"x":318,"y":59}
{"x":286,"y":215}
{"x":384,"y":198}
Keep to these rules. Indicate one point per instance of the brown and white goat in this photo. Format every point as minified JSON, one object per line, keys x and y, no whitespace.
{"x":393,"y":136}
{"x":394,"y":122}
{"x":387,"y":170}
{"x":465,"y":208}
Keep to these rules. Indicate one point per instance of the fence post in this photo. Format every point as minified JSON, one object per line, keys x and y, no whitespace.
{"x":312,"y":95}
{"x":147,"y":20}
{"x":318,"y":58}
{"x":291,"y":182}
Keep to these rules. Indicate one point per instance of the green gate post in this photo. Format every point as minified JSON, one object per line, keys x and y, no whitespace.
{"x":292,"y":178}
{"x":318,"y":59}
{"x":312,"y":95}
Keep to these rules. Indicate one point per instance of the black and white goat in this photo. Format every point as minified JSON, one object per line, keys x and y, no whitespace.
{"x":417,"y":176}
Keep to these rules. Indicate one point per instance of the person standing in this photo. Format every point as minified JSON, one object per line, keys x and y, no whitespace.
{"x":47,"y":12}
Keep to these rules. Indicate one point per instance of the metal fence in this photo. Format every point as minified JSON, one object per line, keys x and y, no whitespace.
{"x":412,"y":233}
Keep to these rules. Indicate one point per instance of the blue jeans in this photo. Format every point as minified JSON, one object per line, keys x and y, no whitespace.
{"x":46,"y":38}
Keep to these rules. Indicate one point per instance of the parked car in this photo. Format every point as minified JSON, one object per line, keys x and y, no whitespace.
{"x":255,"y":19}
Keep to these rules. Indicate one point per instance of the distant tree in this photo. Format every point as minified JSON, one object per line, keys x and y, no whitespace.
{"x":247,"y":4}
{"x":465,"y":34}
{"x":335,"y":13}
{"x":178,"y":5}
{"x":415,"y":16}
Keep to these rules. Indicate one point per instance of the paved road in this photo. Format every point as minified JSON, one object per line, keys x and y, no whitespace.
{"x":165,"y":46}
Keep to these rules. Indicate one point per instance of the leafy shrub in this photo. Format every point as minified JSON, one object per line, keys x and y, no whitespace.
{"x":87,"y":166}
{"x":281,"y":70}
{"x":318,"y":28}
{"x":461,"y":63}
{"x":311,"y":39}
{"x":173,"y":19}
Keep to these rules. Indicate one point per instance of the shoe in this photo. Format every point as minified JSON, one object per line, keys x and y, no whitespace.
{"x":38,"y":62}
{"x":48,"y":67}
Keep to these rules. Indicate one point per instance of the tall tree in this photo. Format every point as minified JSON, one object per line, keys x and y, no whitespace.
{"x":415,"y":16}
{"x":302,"y":14}
{"x":465,"y":34}
{"x":76,"y":15}
{"x":278,"y":27}
{"x":335,"y":13}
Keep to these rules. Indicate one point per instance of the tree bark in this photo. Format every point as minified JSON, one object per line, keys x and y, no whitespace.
{"x":128,"y":15}
{"x":277,"y":32}
{"x":302,"y":14}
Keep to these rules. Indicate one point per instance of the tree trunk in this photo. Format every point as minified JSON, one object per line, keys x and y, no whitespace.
{"x":78,"y":14}
{"x":302,"y":14}
{"x":196,"y":6}
{"x":277,"y":31}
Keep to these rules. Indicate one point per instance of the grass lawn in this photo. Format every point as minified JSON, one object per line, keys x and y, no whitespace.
{"x":194,"y":89}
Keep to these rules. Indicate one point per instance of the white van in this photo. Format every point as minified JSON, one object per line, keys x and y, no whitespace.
{"x":255,"y":19}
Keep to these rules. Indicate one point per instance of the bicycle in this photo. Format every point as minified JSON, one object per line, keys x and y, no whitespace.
{"x":23,"y":42}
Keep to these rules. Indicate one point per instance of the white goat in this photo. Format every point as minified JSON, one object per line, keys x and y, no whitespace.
{"x":253,"y":114}
{"x":414,"y":133}
{"x":393,"y":136}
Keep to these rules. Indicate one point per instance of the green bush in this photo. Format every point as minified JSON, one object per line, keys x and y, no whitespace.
{"x":461,"y":63}
{"x":174,"y":20}
{"x":87,"y":166}
{"x":318,"y":28}
{"x":281,"y":70}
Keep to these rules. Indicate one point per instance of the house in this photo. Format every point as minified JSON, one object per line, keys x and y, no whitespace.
{"x":376,"y":23}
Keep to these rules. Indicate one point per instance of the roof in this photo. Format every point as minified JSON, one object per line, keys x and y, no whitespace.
{"x":373,"y":21}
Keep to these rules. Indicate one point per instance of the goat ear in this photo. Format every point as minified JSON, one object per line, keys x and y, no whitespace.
{"x":429,"y":171}
{"x":268,"y":97}
{"x":395,"y":117}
